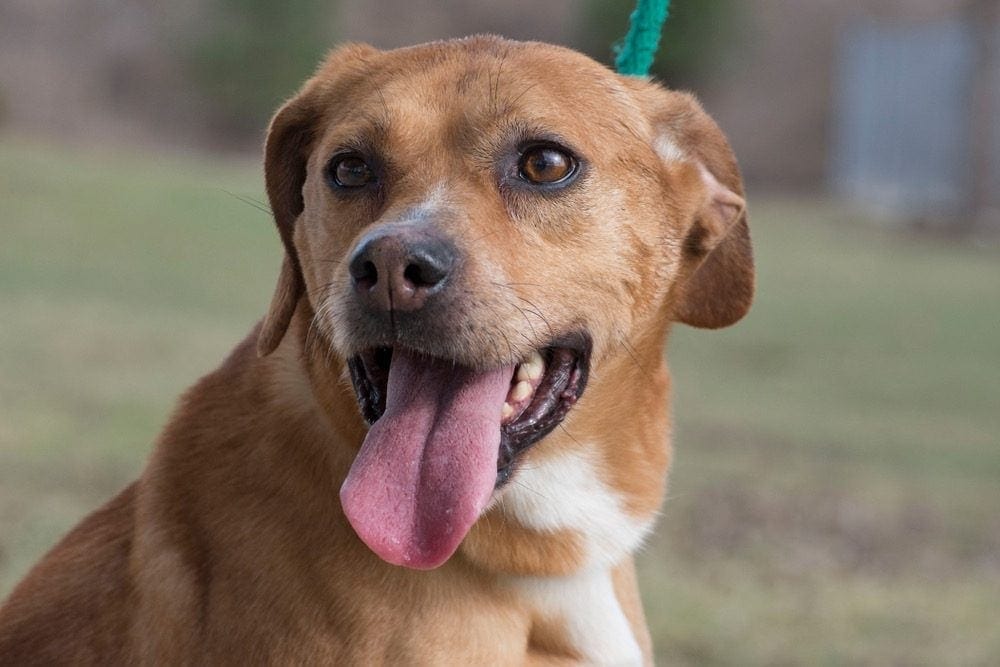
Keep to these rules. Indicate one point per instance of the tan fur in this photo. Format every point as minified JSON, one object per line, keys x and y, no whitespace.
{"x":232,"y":547}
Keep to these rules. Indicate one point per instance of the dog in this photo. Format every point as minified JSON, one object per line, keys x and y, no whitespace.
{"x":450,"y":432}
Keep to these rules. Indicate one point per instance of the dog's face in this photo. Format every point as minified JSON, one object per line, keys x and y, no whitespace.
{"x":479,"y":226}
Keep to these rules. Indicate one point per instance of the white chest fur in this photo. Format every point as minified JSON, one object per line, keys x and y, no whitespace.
{"x":587,"y":608}
{"x":566,"y":493}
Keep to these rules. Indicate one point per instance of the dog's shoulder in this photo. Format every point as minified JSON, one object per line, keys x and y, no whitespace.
{"x":73,"y":606}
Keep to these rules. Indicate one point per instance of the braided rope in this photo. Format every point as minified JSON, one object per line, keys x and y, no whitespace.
{"x":638,"y":49}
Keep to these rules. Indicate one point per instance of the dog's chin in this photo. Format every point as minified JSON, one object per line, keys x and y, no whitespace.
{"x":543,"y":389}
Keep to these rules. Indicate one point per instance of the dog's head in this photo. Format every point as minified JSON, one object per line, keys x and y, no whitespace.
{"x":479,"y":226}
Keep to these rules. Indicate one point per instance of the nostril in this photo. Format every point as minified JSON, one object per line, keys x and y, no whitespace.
{"x":424,"y":274}
{"x":368,"y":276}
{"x":364,"y":273}
{"x":428,"y":264}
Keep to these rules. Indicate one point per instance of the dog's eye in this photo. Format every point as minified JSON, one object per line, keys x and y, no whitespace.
{"x":545,"y":165}
{"x":350,"y":171}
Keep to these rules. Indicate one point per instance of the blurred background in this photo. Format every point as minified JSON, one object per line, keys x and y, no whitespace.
{"x":836,"y":492}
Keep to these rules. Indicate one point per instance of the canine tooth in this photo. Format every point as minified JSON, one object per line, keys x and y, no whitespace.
{"x":507,"y":411}
{"x":531,"y":368}
{"x":522,"y":390}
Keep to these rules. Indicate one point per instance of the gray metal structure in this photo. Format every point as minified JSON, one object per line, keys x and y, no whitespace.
{"x":909,"y":137}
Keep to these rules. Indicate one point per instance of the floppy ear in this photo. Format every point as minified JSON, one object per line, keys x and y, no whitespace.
{"x":719,"y":283}
{"x":720,"y":290}
{"x":285,"y":155}
{"x":286,"y":151}
{"x":284,"y":175}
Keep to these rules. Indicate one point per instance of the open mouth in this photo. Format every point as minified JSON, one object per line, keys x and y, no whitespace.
{"x":543,"y":388}
{"x":444,"y":437}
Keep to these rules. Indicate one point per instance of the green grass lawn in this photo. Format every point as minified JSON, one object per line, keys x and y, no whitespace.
{"x":836,"y":492}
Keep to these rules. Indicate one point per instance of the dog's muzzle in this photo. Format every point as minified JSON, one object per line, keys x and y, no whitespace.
{"x":446,"y":430}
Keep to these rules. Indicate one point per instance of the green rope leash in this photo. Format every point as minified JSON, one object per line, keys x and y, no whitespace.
{"x":636,"y":53}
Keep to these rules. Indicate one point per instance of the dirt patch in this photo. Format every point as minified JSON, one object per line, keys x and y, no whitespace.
{"x":793,"y":518}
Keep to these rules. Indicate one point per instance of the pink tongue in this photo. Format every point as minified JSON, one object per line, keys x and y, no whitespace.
{"x":428,"y":466}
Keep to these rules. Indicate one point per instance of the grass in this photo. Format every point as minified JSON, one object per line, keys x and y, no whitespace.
{"x":836,"y":488}
{"x":835,"y":494}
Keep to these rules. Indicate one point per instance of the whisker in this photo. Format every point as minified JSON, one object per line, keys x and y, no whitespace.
{"x":512,"y":285}
{"x":570,"y":435}
{"x":635,"y":358}
{"x":250,"y":201}
{"x":524,"y":486}
{"x":517,"y":99}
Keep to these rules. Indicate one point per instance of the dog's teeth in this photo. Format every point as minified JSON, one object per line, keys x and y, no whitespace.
{"x":507,"y":411}
{"x":536,"y":369}
{"x":522,"y":390}
{"x":531,"y":368}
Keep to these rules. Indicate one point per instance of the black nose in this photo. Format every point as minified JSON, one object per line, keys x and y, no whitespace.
{"x":400,"y":268}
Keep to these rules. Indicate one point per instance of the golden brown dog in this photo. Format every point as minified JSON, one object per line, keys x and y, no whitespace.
{"x":486,"y":245}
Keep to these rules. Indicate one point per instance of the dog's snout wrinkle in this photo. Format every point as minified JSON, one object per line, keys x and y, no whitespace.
{"x":401,"y":269}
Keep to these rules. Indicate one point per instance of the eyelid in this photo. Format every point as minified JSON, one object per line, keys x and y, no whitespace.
{"x":526,"y":146}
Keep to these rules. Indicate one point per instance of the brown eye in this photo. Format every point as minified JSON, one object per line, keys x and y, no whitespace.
{"x":545,"y":165}
{"x":350,"y":171}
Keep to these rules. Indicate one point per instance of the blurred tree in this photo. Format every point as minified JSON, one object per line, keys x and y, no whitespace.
{"x":694,"y":38}
{"x":247,"y":56}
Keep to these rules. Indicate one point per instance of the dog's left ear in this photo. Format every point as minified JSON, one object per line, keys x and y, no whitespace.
{"x":716,"y":287}
{"x":720,"y":290}
{"x":286,"y":152}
